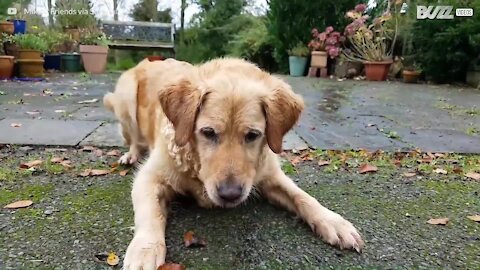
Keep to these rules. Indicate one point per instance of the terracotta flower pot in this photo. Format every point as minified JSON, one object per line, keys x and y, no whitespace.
{"x":94,"y":58}
{"x":7,"y":27}
{"x":319,"y":59}
{"x":411,"y":76}
{"x":30,"y":68}
{"x":29,"y":54}
{"x":152,"y":58}
{"x":6,"y":66}
{"x":377,"y":71}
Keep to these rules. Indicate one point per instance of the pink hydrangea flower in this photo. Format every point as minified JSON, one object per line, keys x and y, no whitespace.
{"x":360,"y":8}
{"x":329,"y":29}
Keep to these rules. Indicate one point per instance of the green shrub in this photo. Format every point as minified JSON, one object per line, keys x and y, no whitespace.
{"x":444,"y":48}
{"x":299,"y":50}
{"x":253,"y":43}
{"x":291,"y":22}
{"x":31,"y":42}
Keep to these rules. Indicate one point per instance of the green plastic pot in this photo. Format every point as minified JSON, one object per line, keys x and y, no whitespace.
{"x":297,"y":65}
{"x":71,"y":63}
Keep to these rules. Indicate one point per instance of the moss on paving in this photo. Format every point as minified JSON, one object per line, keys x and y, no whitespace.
{"x":94,"y":214}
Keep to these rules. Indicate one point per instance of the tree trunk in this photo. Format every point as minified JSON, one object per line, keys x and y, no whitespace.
{"x":50,"y":15}
{"x":182,"y":14}
{"x":115,"y":10}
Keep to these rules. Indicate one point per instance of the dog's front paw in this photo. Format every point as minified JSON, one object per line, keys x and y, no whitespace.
{"x":128,"y":158}
{"x":145,"y":253}
{"x":337,"y":231}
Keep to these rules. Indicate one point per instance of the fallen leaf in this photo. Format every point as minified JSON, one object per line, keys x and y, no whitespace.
{"x":123,"y":173}
{"x":440,"y":171}
{"x":15,"y":125}
{"x":86,"y":172}
{"x":112,"y":259}
{"x":397,"y":162}
{"x":33,"y":113}
{"x":191,"y":240}
{"x":430,"y":155}
{"x":94,"y":172}
{"x":19,"y":204}
{"x":296,"y":160}
{"x":98,"y":152}
{"x":323,"y":162}
{"x":114,"y":165}
{"x":306,"y":156}
{"x":475,"y":176}
{"x":409,"y":174}
{"x":114,"y":153}
{"x":425,"y":159}
{"x":57,"y":159}
{"x":59,"y":111}
{"x":31,"y":164}
{"x":457,"y":170}
{"x":438,"y":221}
{"x":171,"y":266}
{"x":88,"y":101}
{"x":367,"y":168}
{"x":474,"y":218}
{"x":66,"y":163}
{"x":439,"y":155}
{"x":371,"y":125}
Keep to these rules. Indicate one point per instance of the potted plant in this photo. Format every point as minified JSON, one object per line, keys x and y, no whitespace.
{"x":7,"y":27}
{"x":94,"y":51}
{"x":370,"y":44}
{"x":297,"y":59}
{"x":6,"y":66}
{"x":323,"y":45}
{"x":411,"y":72}
{"x":9,"y":46}
{"x":72,"y":23}
{"x":56,"y":44}
{"x":31,"y":48}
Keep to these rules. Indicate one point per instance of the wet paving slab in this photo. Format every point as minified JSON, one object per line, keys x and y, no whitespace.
{"x":339,"y":115}
{"x":388,"y":116}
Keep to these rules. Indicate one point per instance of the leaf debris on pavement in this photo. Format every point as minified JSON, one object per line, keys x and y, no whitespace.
{"x":94,"y":172}
{"x":31,"y":164}
{"x":172,"y":266}
{"x":15,"y":125}
{"x":18,"y":204}
{"x":475,"y":218}
{"x":475,"y":176}
{"x":365,"y":168}
{"x":438,"y":221}
{"x":191,"y":240}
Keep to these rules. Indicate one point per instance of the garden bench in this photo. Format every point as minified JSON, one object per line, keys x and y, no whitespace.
{"x":140,"y":35}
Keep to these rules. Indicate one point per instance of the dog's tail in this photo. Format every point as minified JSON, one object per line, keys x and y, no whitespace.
{"x":108,"y":101}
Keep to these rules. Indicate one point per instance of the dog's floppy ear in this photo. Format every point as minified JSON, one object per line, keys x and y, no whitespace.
{"x":282,"y":110}
{"x":180,"y":103}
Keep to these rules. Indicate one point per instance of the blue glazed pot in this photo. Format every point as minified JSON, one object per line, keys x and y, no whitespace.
{"x":20,"y":26}
{"x":297,"y":65}
{"x":52,"y":61}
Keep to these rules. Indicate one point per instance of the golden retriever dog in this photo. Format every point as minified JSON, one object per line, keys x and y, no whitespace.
{"x":133,"y":103}
{"x":217,"y":129}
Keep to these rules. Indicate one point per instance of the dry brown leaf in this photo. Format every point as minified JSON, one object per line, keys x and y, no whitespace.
{"x":94,"y":172}
{"x":98,"y":152}
{"x":191,"y":240}
{"x":475,"y":176}
{"x":123,"y":173}
{"x":114,"y":153}
{"x":440,"y":171}
{"x":367,"y":168}
{"x":409,"y":174}
{"x":15,"y":125}
{"x":439,"y":155}
{"x":66,"y":163}
{"x":425,"y":159}
{"x":18,"y":204}
{"x":296,"y":160}
{"x":112,"y":259}
{"x":171,"y":266}
{"x":430,"y":155}
{"x":457,"y":170}
{"x":438,"y":221}
{"x":323,"y":162}
{"x":475,"y":218}
{"x":114,"y":165}
{"x":57,"y":159}
{"x":30,"y":164}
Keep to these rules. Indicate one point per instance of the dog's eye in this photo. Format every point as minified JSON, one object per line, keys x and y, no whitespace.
{"x":252,"y":135}
{"x":209,"y":133}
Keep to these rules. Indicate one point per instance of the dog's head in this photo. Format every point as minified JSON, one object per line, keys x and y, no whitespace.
{"x":231,"y":120}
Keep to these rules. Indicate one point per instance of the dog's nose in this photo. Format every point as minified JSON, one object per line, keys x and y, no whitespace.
{"x":230,"y":192}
